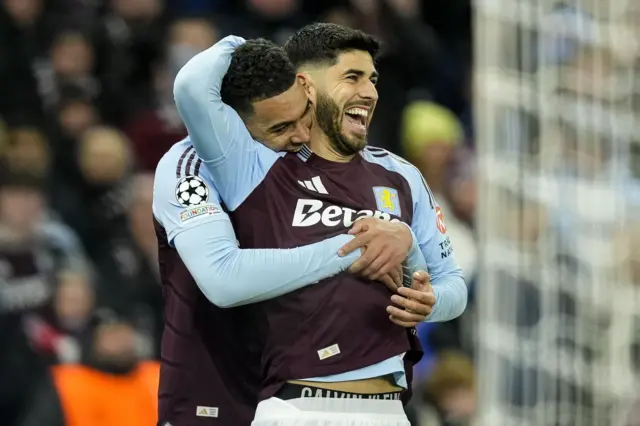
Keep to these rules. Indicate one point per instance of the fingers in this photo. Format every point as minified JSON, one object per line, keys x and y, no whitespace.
{"x":421,"y":281}
{"x":382,"y":259}
{"x":404,"y":324}
{"x":421,"y":277}
{"x":357,"y":243}
{"x":389,"y":282}
{"x":417,"y":306}
{"x":365,"y":262}
{"x":378,"y":267}
{"x":420,"y":296}
{"x":359,"y":226}
{"x":405,"y":316}
{"x":396,"y":275}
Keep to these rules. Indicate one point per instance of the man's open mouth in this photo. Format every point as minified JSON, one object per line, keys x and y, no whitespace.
{"x":357,"y":116}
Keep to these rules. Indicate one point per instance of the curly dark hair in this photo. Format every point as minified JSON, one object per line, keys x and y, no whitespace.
{"x":324,"y":42}
{"x":259,"y":70}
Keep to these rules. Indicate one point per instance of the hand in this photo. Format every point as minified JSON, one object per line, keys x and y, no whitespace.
{"x":387,"y":245}
{"x":417,"y":301}
{"x":393,"y":279}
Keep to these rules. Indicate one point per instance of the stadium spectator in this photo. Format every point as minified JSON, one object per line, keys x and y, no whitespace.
{"x":430,"y":134}
{"x":129,"y":43}
{"x":23,"y":33}
{"x":26,"y":259}
{"x":156,"y":127}
{"x":28,"y":152}
{"x":111,"y":387}
{"x":448,"y":396}
{"x":71,"y":315}
{"x":72,"y":63}
{"x":21,"y":369}
{"x":76,"y":113}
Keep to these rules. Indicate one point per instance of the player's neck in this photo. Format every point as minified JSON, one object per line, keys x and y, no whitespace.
{"x":321,"y":146}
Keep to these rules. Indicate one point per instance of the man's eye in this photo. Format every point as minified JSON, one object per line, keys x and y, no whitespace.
{"x":352,"y":77}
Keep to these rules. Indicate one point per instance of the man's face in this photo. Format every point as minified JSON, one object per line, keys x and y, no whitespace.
{"x":14,"y":202}
{"x":282,"y":122}
{"x":346,"y":98}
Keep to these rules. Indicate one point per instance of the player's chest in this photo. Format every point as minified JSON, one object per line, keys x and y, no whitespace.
{"x":308,"y":198}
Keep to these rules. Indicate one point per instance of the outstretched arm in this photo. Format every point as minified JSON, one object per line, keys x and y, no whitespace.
{"x":230,"y":276}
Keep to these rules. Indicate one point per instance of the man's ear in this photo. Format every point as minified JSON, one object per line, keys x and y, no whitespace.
{"x":309,"y":85}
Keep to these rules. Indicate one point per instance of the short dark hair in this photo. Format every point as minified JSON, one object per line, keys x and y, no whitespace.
{"x":259,"y":70}
{"x":324,"y":42}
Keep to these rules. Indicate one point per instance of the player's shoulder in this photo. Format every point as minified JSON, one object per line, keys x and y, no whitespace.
{"x":391,"y":162}
{"x":179,"y":161}
{"x":399,"y":165}
{"x":179,"y":168}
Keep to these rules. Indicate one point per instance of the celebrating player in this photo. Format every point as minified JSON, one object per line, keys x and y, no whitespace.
{"x":211,"y":356}
{"x":327,"y":337}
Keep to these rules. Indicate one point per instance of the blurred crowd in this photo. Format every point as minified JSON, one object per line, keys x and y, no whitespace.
{"x":558,"y":99}
{"x":86,"y":112}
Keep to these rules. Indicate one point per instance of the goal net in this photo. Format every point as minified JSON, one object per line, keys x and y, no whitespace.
{"x":557,"y":95}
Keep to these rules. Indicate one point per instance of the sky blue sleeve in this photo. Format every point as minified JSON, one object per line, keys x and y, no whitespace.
{"x":172,"y":214}
{"x":236,"y":162}
{"x":227,"y":275}
{"x":230,"y":276}
{"x":430,"y":231}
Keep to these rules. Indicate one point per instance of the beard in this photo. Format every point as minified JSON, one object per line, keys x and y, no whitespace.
{"x":329,"y":118}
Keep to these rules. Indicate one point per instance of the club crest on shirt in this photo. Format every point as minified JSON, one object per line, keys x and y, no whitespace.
{"x":387,"y":200}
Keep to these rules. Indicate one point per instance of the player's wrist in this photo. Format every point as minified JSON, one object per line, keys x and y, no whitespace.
{"x":436,"y":294}
{"x":405,"y":233}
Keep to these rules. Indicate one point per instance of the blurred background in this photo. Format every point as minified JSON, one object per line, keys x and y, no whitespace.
{"x":521,"y":114}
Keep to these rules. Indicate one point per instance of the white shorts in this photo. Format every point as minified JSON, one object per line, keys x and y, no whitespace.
{"x":330,"y":412}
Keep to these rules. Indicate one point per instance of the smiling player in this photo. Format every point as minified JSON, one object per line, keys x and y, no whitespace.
{"x":329,"y":336}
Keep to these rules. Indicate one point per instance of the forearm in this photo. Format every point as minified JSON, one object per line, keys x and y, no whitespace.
{"x":229,"y":276}
{"x":415,"y":261}
{"x":197,"y":95}
{"x":451,"y":298}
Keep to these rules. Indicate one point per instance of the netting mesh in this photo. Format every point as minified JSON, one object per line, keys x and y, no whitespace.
{"x":558,"y":136}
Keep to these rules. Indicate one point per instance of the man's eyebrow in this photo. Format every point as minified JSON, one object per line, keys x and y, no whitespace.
{"x":360,"y":73}
{"x":283,"y":124}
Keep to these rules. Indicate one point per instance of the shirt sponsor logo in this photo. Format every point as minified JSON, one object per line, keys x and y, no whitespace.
{"x":312,"y":212}
{"x":207,"y":210}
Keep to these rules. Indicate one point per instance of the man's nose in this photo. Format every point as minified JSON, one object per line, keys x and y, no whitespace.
{"x":368,"y":91}
{"x":301,"y":134}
